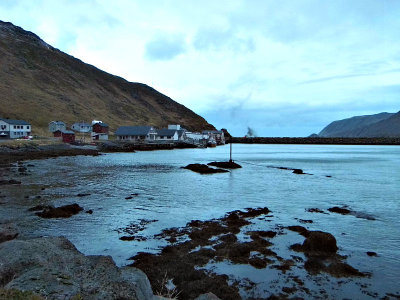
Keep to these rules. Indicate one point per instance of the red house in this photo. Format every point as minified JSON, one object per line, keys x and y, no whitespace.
{"x":100,"y":131}
{"x":68,"y":136}
{"x":100,"y":128}
{"x":57,"y":133}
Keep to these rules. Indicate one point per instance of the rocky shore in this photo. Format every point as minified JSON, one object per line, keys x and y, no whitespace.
{"x":30,"y":151}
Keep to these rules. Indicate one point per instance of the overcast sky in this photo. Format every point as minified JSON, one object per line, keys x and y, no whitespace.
{"x":283,"y":68}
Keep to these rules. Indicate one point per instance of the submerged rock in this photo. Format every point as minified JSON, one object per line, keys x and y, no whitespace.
{"x":203,"y":169}
{"x":65,"y":211}
{"x":53,"y":268}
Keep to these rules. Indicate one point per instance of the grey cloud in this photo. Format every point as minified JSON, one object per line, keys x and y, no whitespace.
{"x":165,"y":47}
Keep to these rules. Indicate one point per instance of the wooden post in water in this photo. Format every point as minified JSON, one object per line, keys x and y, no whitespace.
{"x":230,"y":156}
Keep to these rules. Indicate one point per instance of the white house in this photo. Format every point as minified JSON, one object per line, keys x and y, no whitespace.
{"x":81,"y":127}
{"x":136,"y":133}
{"x":14,"y":129}
{"x":57,"y":125}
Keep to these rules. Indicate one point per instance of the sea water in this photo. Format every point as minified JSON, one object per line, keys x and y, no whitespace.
{"x":364,"y":178}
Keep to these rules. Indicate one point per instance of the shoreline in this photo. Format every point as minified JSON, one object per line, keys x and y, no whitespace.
{"x":315,"y":140}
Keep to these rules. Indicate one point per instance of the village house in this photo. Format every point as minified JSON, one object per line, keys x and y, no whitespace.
{"x":14,"y":129}
{"x":99,"y":130}
{"x":57,"y":125}
{"x":67,"y":136}
{"x":167,"y":135}
{"x":81,"y":127}
{"x":215,"y":135}
{"x":181,"y":131}
{"x":136,"y":133}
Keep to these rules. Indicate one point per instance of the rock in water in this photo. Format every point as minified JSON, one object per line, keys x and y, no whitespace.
{"x":65,"y":211}
{"x":225,"y":164}
{"x":203,"y":169}
{"x":55,"y":269}
{"x":320,"y":243}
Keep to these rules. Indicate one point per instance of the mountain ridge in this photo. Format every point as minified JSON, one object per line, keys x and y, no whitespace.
{"x":39,"y":83}
{"x":377,"y":125}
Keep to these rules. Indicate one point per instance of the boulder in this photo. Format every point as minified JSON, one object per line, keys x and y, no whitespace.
{"x":65,"y":211}
{"x":8,"y":232}
{"x":53,"y":268}
{"x":319,"y":243}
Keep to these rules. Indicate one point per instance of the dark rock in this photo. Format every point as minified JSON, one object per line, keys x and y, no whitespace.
{"x":135,"y":194}
{"x":8,"y":232}
{"x":339,"y":269}
{"x":320,"y":243}
{"x":370,"y":253}
{"x":203,"y":169}
{"x":298,"y":171}
{"x":90,"y":211}
{"x":127,"y":238}
{"x":339,"y":210}
{"x":314,"y":266}
{"x":128,"y":198}
{"x":40,"y":207}
{"x":65,"y":211}
{"x":225,"y":164}
{"x":83,"y":194}
{"x":300,"y":229}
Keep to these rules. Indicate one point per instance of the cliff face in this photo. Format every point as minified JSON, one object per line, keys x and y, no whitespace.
{"x":379,"y":125}
{"x":39,"y":83}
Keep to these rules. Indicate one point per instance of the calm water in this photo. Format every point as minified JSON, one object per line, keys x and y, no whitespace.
{"x":366,"y":178}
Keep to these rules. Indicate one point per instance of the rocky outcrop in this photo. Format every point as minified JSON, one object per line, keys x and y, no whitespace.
{"x":53,"y":268}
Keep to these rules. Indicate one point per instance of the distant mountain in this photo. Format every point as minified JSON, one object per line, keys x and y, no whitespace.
{"x":39,"y":83}
{"x":379,"y":125}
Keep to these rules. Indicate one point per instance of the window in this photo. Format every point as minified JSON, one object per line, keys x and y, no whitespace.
{"x":28,"y":127}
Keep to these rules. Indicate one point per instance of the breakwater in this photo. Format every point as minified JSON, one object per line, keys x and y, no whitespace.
{"x":317,"y":141}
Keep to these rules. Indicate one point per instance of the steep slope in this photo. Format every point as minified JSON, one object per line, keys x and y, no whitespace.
{"x":352,"y":127}
{"x":386,"y":128}
{"x":39,"y":83}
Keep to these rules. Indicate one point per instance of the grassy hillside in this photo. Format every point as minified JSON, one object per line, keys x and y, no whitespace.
{"x":39,"y":83}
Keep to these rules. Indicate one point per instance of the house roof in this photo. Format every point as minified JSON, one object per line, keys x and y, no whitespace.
{"x":133,"y":130}
{"x":67,"y":131}
{"x":82,"y":124}
{"x":15,"y":122}
{"x":101,"y":124}
{"x":166,"y":132}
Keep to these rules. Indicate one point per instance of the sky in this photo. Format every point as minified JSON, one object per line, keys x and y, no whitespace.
{"x":282,"y":68}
